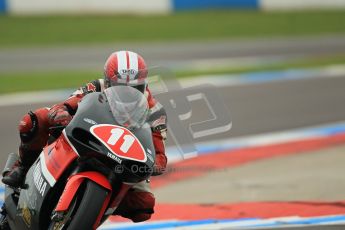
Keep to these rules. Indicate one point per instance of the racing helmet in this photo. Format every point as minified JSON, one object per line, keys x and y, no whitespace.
{"x":126,"y":68}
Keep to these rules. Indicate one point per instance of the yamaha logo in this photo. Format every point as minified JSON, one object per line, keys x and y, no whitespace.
{"x":39,"y":181}
{"x":88,"y":120}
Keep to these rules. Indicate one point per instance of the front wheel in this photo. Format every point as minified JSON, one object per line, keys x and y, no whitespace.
{"x":84,"y":209}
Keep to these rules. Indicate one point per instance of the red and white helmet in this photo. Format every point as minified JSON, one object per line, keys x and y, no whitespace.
{"x":126,"y":68}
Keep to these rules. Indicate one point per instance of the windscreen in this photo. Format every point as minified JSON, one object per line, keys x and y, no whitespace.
{"x":128,"y":106}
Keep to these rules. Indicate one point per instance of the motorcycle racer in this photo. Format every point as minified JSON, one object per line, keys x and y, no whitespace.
{"x":121,"y":68}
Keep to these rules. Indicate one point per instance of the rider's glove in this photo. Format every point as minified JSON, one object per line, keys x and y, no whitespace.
{"x":158,"y":170}
{"x":161,"y":159}
{"x":58,"y":115}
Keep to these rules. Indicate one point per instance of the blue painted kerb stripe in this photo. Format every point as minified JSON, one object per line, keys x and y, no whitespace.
{"x":215,"y":4}
{"x":3,"y":6}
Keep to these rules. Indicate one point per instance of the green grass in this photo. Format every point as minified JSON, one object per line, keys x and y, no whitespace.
{"x":15,"y":82}
{"x":198,"y":25}
{"x":296,"y":64}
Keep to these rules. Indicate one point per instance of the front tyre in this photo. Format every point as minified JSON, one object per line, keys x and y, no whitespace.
{"x":84,"y":209}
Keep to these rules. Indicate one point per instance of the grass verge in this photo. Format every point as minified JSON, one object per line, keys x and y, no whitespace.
{"x":197,"y":25}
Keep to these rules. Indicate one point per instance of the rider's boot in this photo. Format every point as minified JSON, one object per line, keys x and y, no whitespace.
{"x":15,"y":178}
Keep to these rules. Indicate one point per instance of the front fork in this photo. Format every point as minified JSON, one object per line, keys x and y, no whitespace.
{"x":118,"y":198}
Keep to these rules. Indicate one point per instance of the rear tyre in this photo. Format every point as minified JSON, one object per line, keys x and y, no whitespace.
{"x":84,"y":209}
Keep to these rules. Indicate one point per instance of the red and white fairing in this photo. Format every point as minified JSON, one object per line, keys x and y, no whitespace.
{"x":56,"y":157}
{"x":120,"y":141}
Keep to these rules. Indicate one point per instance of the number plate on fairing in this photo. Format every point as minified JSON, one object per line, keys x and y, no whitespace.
{"x":120,"y":141}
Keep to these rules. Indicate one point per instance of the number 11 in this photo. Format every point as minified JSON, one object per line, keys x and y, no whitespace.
{"x":116,"y":134}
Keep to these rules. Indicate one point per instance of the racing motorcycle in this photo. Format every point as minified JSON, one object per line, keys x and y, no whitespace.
{"x":82,"y":175}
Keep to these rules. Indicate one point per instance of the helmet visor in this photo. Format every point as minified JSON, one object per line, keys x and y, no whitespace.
{"x":128,"y":106}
